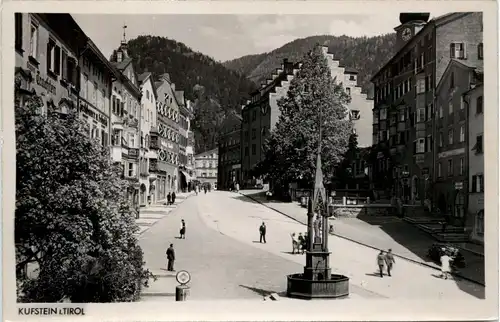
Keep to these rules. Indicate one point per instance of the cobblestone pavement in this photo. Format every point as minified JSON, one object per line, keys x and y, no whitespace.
{"x":238,"y":217}
{"x":221,"y":267}
{"x":382,"y":232}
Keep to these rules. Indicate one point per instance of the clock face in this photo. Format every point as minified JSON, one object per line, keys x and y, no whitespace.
{"x":406,"y":34}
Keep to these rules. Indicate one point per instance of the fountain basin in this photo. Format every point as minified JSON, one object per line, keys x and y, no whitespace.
{"x":335,"y":287}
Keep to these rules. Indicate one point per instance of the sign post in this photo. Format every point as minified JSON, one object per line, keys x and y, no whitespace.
{"x":182,"y":290}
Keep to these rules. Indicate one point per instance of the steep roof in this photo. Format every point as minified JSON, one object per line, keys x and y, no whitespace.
{"x":455,"y":62}
{"x":350,"y":70}
{"x":123,"y":64}
{"x":142,"y":77}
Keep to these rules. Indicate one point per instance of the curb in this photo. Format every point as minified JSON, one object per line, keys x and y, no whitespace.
{"x":366,"y":245}
{"x":173,"y":210}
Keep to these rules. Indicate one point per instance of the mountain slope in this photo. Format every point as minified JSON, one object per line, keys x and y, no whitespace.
{"x":192,"y":71}
{"x":366,"y":54}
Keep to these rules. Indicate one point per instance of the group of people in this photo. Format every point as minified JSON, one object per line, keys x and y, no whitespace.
{"x":299,"y":243}
{"x":385,"y":259}
{"x":171,"y":252}
{"x":171,"y":198}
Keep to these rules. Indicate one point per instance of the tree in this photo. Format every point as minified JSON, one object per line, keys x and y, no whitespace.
{"x":72,"y":219}
{"x":291,"y":149}
{"x":344,"y":173}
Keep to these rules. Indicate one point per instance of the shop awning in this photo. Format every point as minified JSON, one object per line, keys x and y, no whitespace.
{"x":188,"y":177}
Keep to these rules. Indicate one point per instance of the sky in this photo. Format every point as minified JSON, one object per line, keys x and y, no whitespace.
{"x":229,"y":36}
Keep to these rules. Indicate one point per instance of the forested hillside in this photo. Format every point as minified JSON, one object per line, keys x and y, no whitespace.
{"x":212,"y":87}
{"x":366,"y":54}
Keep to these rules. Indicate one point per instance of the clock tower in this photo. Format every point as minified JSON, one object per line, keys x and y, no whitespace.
{"x":411,"y":24}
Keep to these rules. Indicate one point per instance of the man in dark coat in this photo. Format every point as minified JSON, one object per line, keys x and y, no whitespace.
{"x":169,"y":198}
{"x":173,"y":197}
{"x":183,"y":229}
{"x":170,"y":258}
{"x":262,"y":231}
{"x":389,"y":261}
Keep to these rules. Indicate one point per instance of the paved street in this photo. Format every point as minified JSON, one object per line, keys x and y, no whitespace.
{"x":226,"y":262}
{"x":221,"y":267}
{"x":380,"y":232}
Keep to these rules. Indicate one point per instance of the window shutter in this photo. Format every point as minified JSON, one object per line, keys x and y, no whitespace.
{"x":481,"y":183}
{"x":474,"y":184}
{"x":452,"y":50}
{"x":414,"y":147}
{"x":57,"y":60}
{"x":48,"y":56}
{"x":465,"y":50}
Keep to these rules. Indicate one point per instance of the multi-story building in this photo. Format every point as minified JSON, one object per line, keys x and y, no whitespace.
{"x":167,"y":138}
{"x":206,"y":167}
{"x":473,"y":100}
{"x":185,"y":115}
{"x":191,"y":167}
{"x":57,"y":61}
{"x":451,"y":119}
{"x":229,"y":170}
{"x":261,"y":113}
{"x":147,"y":153}
{"x":403,"y":131}
{"x":126,"y":98}
{"x":360,"y":107}
{"x":259,"y":117}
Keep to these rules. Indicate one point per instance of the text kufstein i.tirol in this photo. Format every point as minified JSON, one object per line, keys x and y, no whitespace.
{"x":51,"y":311}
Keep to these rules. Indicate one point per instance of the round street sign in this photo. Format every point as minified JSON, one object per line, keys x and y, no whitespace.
{"x":183,"y":277}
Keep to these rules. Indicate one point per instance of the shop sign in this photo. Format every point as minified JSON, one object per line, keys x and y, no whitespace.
{"x":84,"y":107}
{"x":46,"y":84}
{"x":459,"y":185}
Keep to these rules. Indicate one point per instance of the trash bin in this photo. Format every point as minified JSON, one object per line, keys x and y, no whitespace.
{"x":181,"y":293}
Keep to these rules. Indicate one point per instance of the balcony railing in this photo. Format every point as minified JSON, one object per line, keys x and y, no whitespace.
{"x":133,"y":153}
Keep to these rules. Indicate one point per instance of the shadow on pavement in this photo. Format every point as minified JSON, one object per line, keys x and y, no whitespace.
{"x":418,"y":243}
{"x":374,"y":274}
{"x":409,"y":237}
{"x":263,"y":292}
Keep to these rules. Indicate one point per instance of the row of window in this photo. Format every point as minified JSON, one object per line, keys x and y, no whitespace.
{"x":206,"y":164}
{"x":451,"y":136}
{"x":95,"y":132}
{"x":254,"y":150}
{"x":458,"y":50}
{"x":230,"y":142}
{"x":230,"y":156}
{"x":451,"y":171}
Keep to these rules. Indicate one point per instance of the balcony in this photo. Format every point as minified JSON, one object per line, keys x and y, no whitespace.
{"x":133,"y":153}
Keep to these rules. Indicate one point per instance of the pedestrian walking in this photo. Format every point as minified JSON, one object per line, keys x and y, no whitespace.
{"x":389,"y":261}
{"x":170,"y":258}
{"x":305,"y":245}
{"x":445,"y":264}
{"x":183,"y":229}
{"x":262,"y":231}
{"x":169,"y":199}
{"x":380,"y":263}
{"x":237,"y":187}
{"x":205,"y":189}
{"x":173,"y":197}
